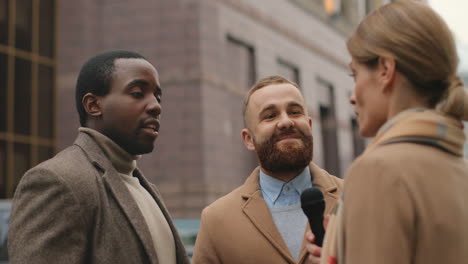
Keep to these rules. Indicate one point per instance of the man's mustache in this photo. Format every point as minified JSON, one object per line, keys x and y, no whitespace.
{"x":287,"y":133}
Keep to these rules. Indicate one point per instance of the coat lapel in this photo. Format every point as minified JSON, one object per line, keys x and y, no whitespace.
{"x":180,"y":249}
{"x":120,"y":192}
{"x":131,"y":210}
{"x":258,"y":213}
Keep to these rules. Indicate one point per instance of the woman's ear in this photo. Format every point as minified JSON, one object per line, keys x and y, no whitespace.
{"x":91,"y":104}
{"x":387,"y":71}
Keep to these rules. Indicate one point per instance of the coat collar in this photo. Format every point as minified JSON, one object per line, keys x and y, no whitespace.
{"x":120,"y":191}
{"x":422,"y":126}
{"x":258,"y":213}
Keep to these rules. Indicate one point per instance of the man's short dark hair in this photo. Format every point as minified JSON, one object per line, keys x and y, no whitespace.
{"x":96,"y":75}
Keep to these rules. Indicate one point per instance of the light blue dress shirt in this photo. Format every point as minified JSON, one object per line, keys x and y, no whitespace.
{"x":277,"y":193}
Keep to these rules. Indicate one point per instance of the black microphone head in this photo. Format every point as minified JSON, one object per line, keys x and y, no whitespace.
{"x":313,"y":205}
{"x":311,"y":196}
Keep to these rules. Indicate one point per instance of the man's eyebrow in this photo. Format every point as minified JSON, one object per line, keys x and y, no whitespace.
{"x":140,"y":82}
{"x":290,"y":104}
{"x":267,"y":108}
{"x":137,"y":82}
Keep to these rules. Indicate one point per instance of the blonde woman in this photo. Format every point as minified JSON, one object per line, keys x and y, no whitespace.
{"x":406,"y":197}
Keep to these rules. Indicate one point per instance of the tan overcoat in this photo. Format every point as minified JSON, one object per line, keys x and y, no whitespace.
{"x":406,"y":197}
{"x":238,"y":228}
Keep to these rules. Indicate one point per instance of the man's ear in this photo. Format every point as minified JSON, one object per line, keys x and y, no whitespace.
{"x":92,"y":104}
{"x":247,"y":137}
{"x":387,"y":71}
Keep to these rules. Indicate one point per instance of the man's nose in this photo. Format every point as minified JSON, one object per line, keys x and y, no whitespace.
{"x":153,"y":107}
{"x":352,"y":99}
{"x":285,"y":122}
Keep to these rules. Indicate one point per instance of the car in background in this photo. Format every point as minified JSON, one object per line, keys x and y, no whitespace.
{"x":5,"y":208}
{"x":188,"y":230}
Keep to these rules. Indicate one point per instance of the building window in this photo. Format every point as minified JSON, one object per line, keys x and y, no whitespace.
{"x":4,"y":17}
{"x":289,"y":71}
{"x":374,"y":4}
{"x":240,"y":75}
{"x":3,"y":91}
{"x":329,"y":126}
{"x":332,"y":7}
{"x":240,"y":64}
{"x":371,"y":5}
{"x":27,"y":87}
{"x":358,"y":142}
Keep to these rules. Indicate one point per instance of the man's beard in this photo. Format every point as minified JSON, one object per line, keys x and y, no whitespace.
{"x":290,"y":157}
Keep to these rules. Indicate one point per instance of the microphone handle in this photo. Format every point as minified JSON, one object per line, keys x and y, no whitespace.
{"x":317,"y":228}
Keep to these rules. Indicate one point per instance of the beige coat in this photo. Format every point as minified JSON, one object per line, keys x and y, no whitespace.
{"x":238,"y":228}
{"x":406,"y":197}
{"x":75,"y":208}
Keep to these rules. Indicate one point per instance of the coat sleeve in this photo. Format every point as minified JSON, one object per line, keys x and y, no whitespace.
{"x":378,"y":215}
{"x":205,"y":248}
{"x":46,"y":224}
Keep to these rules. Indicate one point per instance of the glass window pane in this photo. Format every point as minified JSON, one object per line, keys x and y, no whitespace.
{"x":22,"y":88}
{"x":3,"y":91}
{"x":288,"y":71}
{"x":23,"y":24}
{"x":22,"y":161}
{"x":358,"y":142}
{"x":46,"y":102}
{"x":45,"y":153}
{"x":46,"y":28}
{"x":4,"y":22}
{"x":2,"y":169}
{"x":329,"y":140}
{"x":240,"y":64}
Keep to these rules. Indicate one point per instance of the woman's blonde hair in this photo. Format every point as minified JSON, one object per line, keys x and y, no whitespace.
{"x":423,"y":47}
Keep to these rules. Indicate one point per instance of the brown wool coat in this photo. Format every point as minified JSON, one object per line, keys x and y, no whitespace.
{"x":74,"y":208}
{"x":238,"y":228}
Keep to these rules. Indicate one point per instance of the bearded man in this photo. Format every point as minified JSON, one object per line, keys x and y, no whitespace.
{"x":262,"y":220}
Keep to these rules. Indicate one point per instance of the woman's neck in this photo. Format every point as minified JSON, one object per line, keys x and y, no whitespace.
{"x":404,"y":97}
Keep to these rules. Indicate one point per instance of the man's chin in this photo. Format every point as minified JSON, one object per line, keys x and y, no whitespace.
{"x":142,"y":149}
{"x":284,"y":166}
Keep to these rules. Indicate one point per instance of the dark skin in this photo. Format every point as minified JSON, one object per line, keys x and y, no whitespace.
{"x":129,"y":114}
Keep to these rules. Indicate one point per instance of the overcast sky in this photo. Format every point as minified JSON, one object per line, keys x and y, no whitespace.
{"x":455,"y":13}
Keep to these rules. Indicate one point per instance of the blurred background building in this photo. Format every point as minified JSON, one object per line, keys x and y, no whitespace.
{"x":208,"y":54}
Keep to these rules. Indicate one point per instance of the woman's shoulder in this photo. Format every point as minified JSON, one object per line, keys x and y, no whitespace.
{"x":385,"y":158}
{"x":399,"y":162}
{"x":401,"y":153}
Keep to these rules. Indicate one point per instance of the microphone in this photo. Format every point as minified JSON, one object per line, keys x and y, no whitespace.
{"x":313,"y":205}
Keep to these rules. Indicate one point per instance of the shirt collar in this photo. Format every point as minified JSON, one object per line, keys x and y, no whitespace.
{"x":273,"y":187}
